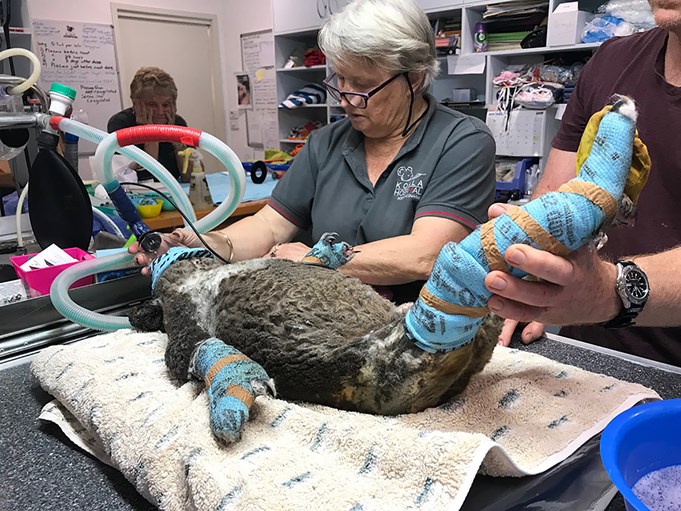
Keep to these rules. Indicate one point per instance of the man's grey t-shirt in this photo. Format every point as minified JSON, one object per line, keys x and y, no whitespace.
{"x":445,"y":169}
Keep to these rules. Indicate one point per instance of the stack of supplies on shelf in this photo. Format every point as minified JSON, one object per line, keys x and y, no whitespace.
{"x":523,"y":15}
{"x":507,"y":24}
{"x":311,"y":94}
{"x":447,"y":35}
{"x":295,"y":59}
{"x":303,"y":132}
{"x":314,"y":57}
{"x":505,"y":40}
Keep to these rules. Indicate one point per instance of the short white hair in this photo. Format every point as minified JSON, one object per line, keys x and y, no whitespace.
{"x":392,"y":34}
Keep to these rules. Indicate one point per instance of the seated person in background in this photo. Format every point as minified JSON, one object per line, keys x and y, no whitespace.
{"x":398,"y":178}
{"x":646,"y":67}
{"x":154,"y":96}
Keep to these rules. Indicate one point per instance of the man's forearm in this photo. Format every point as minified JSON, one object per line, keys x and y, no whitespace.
{"x":664,"y":304}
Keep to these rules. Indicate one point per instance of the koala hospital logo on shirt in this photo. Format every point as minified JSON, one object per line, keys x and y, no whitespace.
{"x":410,"y":185}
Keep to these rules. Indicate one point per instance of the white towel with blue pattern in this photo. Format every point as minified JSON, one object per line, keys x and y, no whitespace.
{"x":522,"y":415}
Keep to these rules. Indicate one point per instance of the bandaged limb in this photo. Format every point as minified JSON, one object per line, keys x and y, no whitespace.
{"x":233,"y":381}
{"x":328,"y":253}
{"x":640,"y":161}
{"x":453,"y":302}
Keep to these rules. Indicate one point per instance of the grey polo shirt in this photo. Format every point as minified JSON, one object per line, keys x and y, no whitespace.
{"x":445,"y":169}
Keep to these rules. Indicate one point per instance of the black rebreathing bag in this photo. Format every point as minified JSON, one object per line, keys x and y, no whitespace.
{"x":59,"y":205}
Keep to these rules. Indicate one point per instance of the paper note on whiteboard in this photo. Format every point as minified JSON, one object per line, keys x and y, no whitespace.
{"x":466,"y":64}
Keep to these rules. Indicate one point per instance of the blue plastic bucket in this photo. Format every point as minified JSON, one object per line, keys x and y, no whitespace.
{"x":641,"y":440}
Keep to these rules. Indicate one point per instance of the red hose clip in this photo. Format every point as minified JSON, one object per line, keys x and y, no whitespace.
{"x":158,"y":133}
{"x":54,"y":121}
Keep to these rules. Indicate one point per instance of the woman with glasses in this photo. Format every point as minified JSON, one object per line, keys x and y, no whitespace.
{"x":398,"y":178}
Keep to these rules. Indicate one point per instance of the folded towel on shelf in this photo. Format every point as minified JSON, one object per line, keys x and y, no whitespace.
{"x":311,"y":94}
{"x":522,"y":415}
{"x":314,"y":57}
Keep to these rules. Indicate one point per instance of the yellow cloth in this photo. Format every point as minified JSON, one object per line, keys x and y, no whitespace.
{"x":276,"y":154}
{"x":640,"y":160}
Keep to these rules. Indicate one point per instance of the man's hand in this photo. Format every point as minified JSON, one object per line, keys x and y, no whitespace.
{"x":574,"y":290}
{"x":531,"y":331}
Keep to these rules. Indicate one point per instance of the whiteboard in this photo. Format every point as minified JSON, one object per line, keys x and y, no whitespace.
{"x":82,"y":56}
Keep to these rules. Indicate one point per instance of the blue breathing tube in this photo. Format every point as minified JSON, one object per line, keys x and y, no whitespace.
{"x":149,"y":240}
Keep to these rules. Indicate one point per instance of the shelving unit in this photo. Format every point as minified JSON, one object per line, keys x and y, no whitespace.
{"x":290,"y":79}
{"x":297,"y":28}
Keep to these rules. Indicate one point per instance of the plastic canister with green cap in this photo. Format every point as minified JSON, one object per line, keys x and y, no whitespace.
{"x":61,"y":98}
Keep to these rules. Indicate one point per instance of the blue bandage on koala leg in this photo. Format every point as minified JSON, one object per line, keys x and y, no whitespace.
{"x":233,"y":381}
{"x":449,"y":309}
{"x":453,"y":302}
{"x":328,"y":253}
{"x":174,"y":254}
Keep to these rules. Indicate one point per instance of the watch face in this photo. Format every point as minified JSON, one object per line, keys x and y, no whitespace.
{"x":636,"y":285}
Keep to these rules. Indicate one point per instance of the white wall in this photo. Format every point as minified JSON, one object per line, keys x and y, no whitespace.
{"x":234,"y":18}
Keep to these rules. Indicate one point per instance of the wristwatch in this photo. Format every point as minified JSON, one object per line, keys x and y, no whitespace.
{"x":633,"y":289}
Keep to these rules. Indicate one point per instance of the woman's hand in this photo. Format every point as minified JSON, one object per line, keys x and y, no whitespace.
{"x":143,"y":115}
{"x":293,"y":251}
{"x":177,"y":238}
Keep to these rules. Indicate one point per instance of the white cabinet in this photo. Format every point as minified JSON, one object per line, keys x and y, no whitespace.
{"x":526,"y":133}
{"x":438,"y":5}
{"x":296,"y":23}
{"x":303,"y":15}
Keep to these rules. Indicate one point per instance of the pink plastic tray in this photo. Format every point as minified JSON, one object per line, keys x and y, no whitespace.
{"x":40,"y":280}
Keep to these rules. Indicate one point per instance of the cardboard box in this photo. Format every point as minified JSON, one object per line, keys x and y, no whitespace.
{"x":463,"y":95}
{"x":566,"y":25}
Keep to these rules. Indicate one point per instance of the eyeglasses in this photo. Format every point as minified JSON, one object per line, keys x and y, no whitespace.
{"x":356,"y":99}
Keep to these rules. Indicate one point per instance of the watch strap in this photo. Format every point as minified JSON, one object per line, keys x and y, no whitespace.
{"x":625,"y":317}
